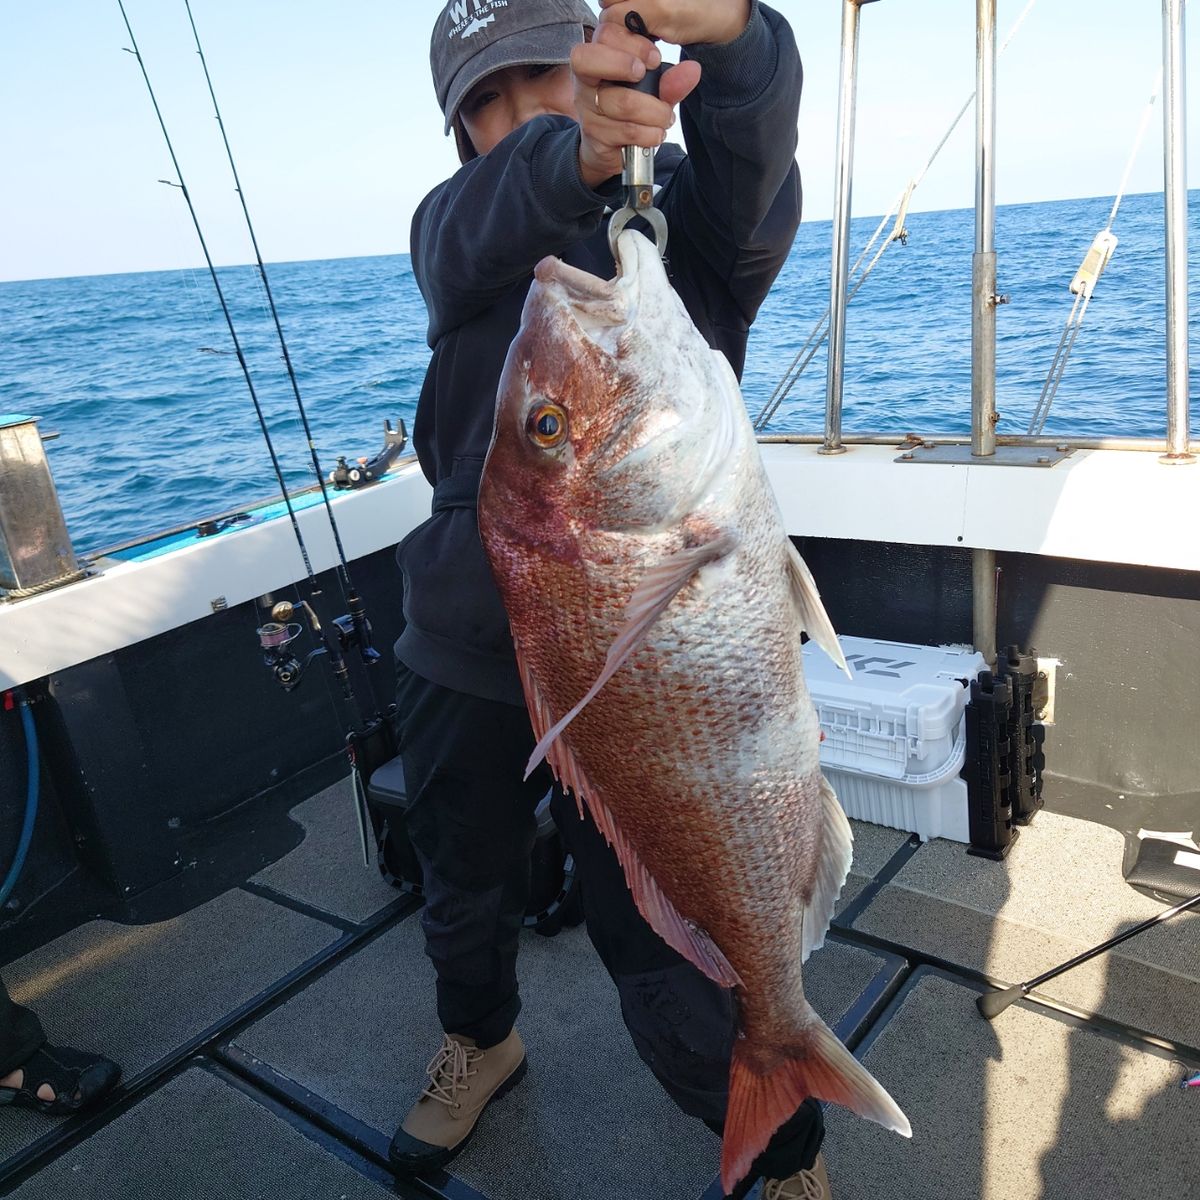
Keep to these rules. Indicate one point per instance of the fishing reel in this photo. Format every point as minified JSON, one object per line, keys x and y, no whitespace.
{"x":349,"y":632}
{"x":275,"y":637}
{"x":354,"y":631}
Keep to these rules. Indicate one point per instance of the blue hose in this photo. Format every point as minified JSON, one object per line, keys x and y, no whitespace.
{"x":31,"y":802}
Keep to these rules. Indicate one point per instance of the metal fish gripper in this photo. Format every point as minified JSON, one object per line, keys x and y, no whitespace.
{"x":637,"y":171}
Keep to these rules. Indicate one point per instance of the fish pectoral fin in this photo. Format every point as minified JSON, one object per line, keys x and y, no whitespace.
{"x":813,"y":616}
{"x":658,"y":587}
{"x":837,"y":849}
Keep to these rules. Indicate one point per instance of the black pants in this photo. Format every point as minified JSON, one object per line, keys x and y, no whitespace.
{"x":20,"y":1034}
{"x":471,"y":820}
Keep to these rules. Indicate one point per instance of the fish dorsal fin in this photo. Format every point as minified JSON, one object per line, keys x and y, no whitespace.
{"x":813,"y":616}
{"x":660,"y":914}
{"x":837,"y":842}
{"x":658,"y":587}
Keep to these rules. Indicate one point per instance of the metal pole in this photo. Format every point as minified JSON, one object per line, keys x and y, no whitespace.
{"x":840,"y":273}
{"x":983,"y":603}
{"x":1175,"y":197}
{"x":983,"y":312}
{"x":983,"y":296}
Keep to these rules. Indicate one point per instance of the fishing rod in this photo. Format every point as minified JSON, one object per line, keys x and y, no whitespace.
{"x":992,"y":1004}
{"x":354,"y":603}
{"x":286,"y":668}
{"x":369,"y":741}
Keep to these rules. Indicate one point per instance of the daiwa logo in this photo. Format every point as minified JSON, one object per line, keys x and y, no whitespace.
{"x":468,"y":17}
{"x":887,"y":666}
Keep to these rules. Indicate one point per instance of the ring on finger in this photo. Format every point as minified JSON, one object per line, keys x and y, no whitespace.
{"x":598,"y":108}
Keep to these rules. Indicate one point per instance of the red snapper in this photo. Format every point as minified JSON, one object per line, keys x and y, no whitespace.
{"x":657,"y":605}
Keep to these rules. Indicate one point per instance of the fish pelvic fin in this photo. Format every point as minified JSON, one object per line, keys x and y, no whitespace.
{"x":813,"y":617}
{"x":658,"y":587}
{"x":837,"y":850}
{"x":683,"y":936}
{"x":760,"y":1101}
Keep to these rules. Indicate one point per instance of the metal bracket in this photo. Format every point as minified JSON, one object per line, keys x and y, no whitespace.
{"x":1005,"y":456}
{"x":1043,"y":690}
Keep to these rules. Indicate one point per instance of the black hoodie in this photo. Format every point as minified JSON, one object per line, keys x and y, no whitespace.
{"x":732,"y":206}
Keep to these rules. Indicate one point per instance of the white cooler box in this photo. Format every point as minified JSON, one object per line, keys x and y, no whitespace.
{"x":895,"y":735}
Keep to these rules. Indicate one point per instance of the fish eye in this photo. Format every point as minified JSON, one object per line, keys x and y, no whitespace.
{"x":547,"y":426}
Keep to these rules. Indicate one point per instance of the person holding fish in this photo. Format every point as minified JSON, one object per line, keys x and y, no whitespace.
{"x":540,"y":97}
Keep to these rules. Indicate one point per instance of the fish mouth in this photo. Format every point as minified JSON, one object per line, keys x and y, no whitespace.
{"x":575,"y":285}
{"x":602,"y":308}
{"x":584,"y":287}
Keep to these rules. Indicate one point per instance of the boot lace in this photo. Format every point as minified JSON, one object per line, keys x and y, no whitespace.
{"x":802,"y":1186}
{"x":449,"y":1070}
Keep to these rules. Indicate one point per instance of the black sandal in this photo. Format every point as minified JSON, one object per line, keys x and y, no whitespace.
{"x":76,"y":1078}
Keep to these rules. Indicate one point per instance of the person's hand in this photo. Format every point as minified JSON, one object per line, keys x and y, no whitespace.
{"x":611,"y":117}
{"x":683,"y":22}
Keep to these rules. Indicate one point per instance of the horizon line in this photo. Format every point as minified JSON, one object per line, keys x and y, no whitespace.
{"x":408,"y":254}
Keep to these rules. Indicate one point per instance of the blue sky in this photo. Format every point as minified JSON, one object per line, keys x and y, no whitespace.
{"x":337,"y":135}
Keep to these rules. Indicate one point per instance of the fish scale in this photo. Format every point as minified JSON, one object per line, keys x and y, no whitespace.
{"x":657,"y":609}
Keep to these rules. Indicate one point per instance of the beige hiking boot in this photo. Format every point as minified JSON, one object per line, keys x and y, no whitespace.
{"x":463,"y":1080}
{"x":804,"y":1185}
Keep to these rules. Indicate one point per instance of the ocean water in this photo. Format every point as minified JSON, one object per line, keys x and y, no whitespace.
{"x":137,"y":374}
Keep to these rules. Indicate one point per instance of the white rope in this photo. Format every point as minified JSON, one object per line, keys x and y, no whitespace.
{"x":821,"y":330}
{"x":1087,"y":277}
{"x":1137,"y":145}
{"x":1059,"y":364}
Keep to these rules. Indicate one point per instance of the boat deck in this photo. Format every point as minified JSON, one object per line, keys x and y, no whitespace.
{"x":273,"y":1037}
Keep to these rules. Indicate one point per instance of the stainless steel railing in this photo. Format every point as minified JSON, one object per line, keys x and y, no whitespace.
{"x":984,"y":440}
{"x":1175,"y":192}
{"x":840,"y":272}
{"x":983,"y":264}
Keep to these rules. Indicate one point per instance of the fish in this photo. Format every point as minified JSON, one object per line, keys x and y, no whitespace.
{"x":656,"y":606}
{"x":479,"y":23}
{"x":1191,"y":1082}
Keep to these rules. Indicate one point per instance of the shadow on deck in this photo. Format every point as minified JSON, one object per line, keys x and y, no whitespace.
{"x":273,"y":1038}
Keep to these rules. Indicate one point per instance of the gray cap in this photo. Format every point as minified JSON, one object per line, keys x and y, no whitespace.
{"x":473,"y":38}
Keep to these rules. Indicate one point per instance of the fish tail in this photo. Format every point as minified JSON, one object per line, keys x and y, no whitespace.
{"x":761,"y":1101}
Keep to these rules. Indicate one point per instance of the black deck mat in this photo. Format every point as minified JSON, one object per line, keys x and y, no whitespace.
{"x":589,"y":1121}
{"x":326,"y":870}
{"x":199,"y":1139}
{"x":1059,"y":892}
{"x":1028,"y":1107}
{"x":874,"y":847}
{"x":137,"y":993}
